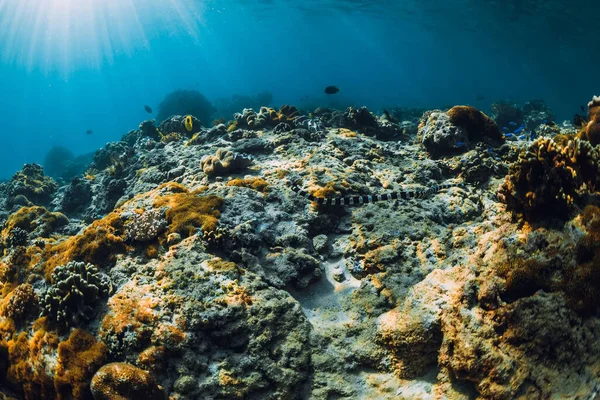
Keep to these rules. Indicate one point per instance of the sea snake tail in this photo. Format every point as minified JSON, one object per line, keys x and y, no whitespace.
{"x":357,"y":200}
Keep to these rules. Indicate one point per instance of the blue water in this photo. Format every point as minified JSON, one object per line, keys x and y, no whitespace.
{"x":67,"y":66}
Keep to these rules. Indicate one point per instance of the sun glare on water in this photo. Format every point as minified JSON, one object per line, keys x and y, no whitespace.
{"x":62,"y":35}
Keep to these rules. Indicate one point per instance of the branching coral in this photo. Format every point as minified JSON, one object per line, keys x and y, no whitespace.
{"x":76,"y":288}
{"x":550,"y":176}
{"x":224,"y":162}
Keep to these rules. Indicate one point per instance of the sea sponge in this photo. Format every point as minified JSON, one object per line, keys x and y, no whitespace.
{"x":75,"y":289}
{"x":479,"y":126}
{"x":31,"y":184}
{"x":549,"y":176}
{"x":185,"y":102}
{"x":186,"y":212}
{"x":79,"y":357}
{"x":123,"y":381}
{"x":224,"y":162}
{"x":591,"y":131}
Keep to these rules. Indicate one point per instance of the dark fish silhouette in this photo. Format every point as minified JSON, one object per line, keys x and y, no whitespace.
{"x":578,"y":120}
{"x":332,"y":89}
{"x":148,"y":109}
{"x":582,"y":109}
{"x":89,"y":132}
{"x":479,"y":97}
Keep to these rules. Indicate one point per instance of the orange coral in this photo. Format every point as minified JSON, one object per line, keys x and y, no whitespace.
{"x":123,"y":381}
{"x":78,"y":359}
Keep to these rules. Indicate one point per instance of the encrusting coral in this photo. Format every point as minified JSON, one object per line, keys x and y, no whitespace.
{"x":123,"y":381}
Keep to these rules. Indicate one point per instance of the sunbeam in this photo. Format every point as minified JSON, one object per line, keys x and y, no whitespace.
{"x":65,"y":35}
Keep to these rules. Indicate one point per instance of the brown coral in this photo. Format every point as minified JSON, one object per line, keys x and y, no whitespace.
{"x":479,"y":126}
{"x":35,"y":219}
{"x":224,"y":162}
{"x":591,"y":131}
{"x":122,"y":381}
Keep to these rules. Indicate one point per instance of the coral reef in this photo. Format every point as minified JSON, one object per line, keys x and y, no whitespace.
{"x":224,"y":162}
{"x":266,"y":116}
{"x":122,"y":381}
{"x":507,"y":114}
{"x":75,"y":289}
{"x":549,"y":177}
{"x":201,"y":284}
{"x":186,"y":102}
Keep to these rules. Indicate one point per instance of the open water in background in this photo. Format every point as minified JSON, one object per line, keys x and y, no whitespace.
{"x":67,"y":66}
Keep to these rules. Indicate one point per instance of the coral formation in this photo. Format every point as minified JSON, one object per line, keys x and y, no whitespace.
{"x":30,"y":186}
{"x":19,"y":302}
{"x":224,"y":162}
{"x":265,"y":117}
{"x":123,"y":381}
{"x":75,"y":289}
{"x":36,"y":221}
{"x":591,"y":131}
{"x":549,"y":176}
{"x":479,"y":127}
{"x":145,"y":225}
{"x":185,"y":102}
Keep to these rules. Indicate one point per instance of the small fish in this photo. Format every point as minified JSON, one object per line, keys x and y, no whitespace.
{"x":89,"y":132}
{"x":522,"y":137}
{"x":505,"y":129}
{"x":512,"y":123}
{"x":332,"y":89}
{"x":545,"y":121}
{"x":582,"y":108}
{"x":518,"y":130}
{"x":460,"y":144}
{"x":508,"y":136}
{"x":148,"y":109}
{"x":188,"y":123}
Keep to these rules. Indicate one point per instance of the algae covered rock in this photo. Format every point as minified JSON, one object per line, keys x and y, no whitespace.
{"x":30,"y":186}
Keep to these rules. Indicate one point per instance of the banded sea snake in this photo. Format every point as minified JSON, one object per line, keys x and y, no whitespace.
{"x":364,"y":199}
